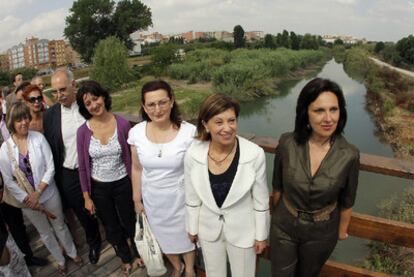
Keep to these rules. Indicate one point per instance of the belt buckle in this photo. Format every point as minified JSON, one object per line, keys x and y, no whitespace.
{"x":306,"y":216}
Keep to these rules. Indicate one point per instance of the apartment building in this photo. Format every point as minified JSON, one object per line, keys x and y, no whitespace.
{"x":16,"y":56}
{"x":40,"y":54}
{"x":57,"y":53}
{"x":4,"y":62}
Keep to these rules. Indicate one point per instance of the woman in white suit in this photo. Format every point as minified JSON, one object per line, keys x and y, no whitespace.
{"x":227,"y":198}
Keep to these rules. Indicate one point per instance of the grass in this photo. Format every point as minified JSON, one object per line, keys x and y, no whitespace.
{"x":188,"y":96}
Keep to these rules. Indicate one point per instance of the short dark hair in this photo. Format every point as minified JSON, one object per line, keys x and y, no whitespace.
{"x":17,"y":111}
{"x":175,"y":115}
{"x":309,"y":93}
{"x":93,"y":88}
{"x":213,"y":105}
{"x":22,"y":86}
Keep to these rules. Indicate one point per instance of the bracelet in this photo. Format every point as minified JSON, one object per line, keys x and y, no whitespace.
{"x":39,"y":191}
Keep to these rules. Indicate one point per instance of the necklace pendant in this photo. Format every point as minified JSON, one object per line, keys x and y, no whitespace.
{"x":159,"y":153}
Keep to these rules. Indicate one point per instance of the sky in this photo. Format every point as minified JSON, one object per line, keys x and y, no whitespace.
{"x":386,"y":20}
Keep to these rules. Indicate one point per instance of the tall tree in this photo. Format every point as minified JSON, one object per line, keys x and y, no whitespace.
{"x":294,"y":41}
{"x":269,"y":41}
{"x":379,"y":46}
{"x":309,"y":42}
{"x":405,"y":48}
{"x":285,"y":42}
{"x":129,"y":17}
{"x":90,"y":21}
{"x":110,"y":66}
{"x":238,"y":34}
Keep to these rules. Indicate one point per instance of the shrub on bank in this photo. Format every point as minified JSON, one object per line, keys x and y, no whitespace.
{"x":242,"y":73}
{"x":389,"y":258}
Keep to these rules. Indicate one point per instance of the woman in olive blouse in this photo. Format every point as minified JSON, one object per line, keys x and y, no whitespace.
{"x":315,"y":180}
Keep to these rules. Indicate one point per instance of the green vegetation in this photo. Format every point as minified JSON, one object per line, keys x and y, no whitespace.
{"x":7,"y":77}
{"x":388,"y":258}
{"x":90,"y":21}
{"x":400,"y":54}
{"x":390,"y":88}
{"x":189,"y":97}
{"x":238,"y":35}
{"x":243,"y":74}
{"x":110,"y":66}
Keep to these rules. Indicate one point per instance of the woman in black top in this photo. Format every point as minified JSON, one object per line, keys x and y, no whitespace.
{"x":315,"y":179}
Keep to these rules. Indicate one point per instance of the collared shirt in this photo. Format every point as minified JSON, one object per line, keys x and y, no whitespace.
{"x":71,"y":121}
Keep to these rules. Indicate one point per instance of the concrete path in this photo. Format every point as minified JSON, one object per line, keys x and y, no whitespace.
{"x":402,"y":71}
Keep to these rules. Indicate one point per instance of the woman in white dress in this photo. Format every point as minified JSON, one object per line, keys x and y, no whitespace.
{"x":158,"y":145}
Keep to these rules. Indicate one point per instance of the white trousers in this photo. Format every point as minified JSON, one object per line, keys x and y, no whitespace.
{"x":242,"y":260}
{"x":45,"y":227}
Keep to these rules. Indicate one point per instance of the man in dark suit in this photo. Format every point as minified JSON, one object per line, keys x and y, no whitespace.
{"x":60,"y":123}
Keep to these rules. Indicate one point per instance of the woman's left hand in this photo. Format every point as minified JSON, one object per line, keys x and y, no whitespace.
{"x":32,"y":201}
{"x":259,"y":246}
{"x":342,"y":236}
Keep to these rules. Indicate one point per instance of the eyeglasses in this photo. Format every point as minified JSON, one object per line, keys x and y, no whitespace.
{"x":162,"y":104}
{"x":60,"y":90}
{"x":27,"y":165}
{"x":35,"y":99}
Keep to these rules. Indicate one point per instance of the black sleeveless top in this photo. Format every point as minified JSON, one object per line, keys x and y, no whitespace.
{"x":221,"y":184}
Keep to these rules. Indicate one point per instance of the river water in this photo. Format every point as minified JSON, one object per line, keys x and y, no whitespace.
{"x":272,"y":116}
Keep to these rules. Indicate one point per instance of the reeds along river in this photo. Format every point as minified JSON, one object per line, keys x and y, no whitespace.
{"x":272,"y":116}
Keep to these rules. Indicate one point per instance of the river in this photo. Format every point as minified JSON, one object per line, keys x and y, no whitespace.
{"x":272,"y":116}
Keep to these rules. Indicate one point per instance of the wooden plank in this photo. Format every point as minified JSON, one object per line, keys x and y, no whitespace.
{"x":335,"y":269}
{"x":371,"y":163}
{"x":380,"y":229}
{"x":387,"y":166}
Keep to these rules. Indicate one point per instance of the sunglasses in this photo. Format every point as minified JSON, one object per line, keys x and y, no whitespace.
{"x":27,"y":165}
{"x":35,"y":99}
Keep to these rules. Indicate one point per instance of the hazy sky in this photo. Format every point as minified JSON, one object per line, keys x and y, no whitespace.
{"x":373,"y":19}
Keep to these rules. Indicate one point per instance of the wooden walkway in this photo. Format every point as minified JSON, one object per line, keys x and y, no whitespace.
{"x":108,"y":265}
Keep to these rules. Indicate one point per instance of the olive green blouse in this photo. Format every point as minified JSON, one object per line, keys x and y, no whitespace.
{"x":335,"y":180}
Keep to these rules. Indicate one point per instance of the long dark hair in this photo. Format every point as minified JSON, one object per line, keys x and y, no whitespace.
{"x":309,"y":93}
{"x":175,"y":115}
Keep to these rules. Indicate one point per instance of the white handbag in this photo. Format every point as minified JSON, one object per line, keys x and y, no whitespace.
{"x":148,"y":248}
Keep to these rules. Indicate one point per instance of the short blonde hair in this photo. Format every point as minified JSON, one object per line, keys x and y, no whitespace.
{"x":17,"y":111}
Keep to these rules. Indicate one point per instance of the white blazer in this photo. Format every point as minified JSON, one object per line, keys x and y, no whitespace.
{"x":244,"y":216}
{"x":41,"y":162}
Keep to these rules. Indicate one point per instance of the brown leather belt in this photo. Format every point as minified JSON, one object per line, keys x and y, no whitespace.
{"x":317,"y":215}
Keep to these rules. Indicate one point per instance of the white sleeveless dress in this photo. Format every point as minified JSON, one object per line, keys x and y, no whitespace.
{"x":162,"y":185}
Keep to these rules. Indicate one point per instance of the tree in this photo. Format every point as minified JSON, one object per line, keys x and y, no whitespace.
{"x":90,"y":21}
{"x":405,"y":48}
{"x":238,"y":34}
{"x":294,"y":41}
{"x":269,"y":41}
{"x":338,"y":41}
{"x":284,"y":41}
{"x":110,"y":66}
{"x":162,"y":56}
{"x":309,"y":42}
{"x":129,"y":17}
{"x":379,"y":46}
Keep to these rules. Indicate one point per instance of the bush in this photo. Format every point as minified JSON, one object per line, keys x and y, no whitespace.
{"x":392,"y":259}
{"x":110,"y":66}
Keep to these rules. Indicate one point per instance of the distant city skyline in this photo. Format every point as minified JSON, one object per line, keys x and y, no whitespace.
{"x":371,"y":19}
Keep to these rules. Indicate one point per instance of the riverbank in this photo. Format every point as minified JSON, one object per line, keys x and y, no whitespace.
{"x":390,"y":99}
{"x":190,"y":95}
